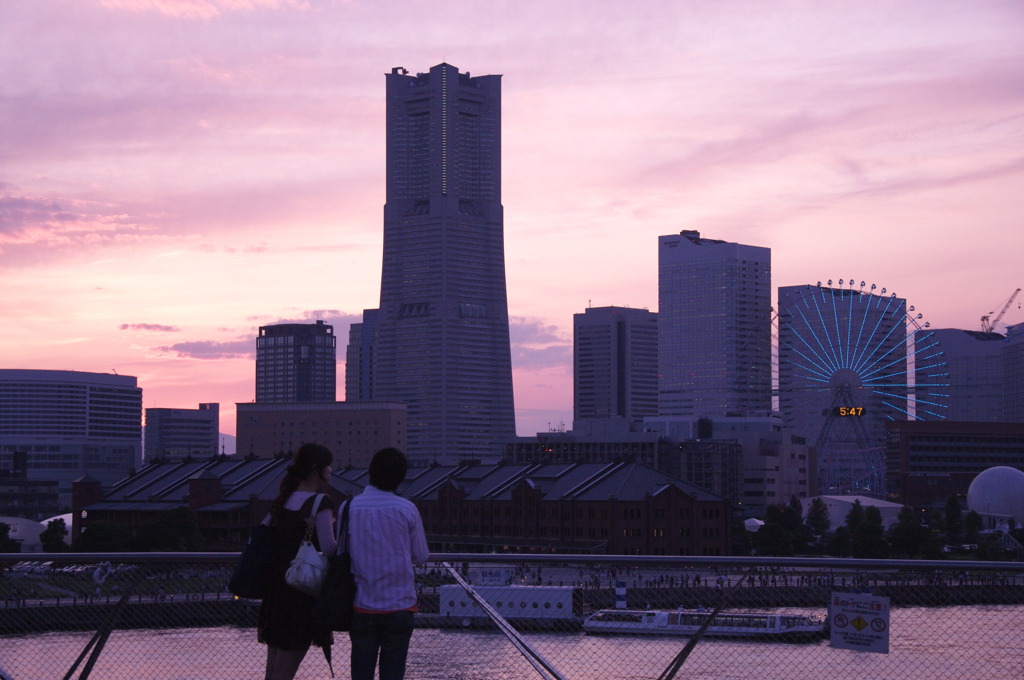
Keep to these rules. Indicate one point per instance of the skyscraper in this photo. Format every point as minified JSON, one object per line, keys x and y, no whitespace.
{"x":714,"y":327}
{"x":295,"y":362}
{"x":615,"y":363}
{"x":442,"y":339}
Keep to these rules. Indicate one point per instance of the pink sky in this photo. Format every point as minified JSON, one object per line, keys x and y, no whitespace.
{"x":176,"y":173}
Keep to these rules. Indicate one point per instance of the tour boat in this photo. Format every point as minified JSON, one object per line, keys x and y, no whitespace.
{"x":686,"y":622}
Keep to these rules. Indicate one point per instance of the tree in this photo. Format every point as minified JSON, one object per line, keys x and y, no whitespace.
{"x":868,"y":539}
{"x":840,"y":545}
{"x":792,"y":522}
{"x":52,"y":537}
{"x":818,"y":520}
{"x":972,"y":526}
{"x":908,"y":536}
{"x":772,"y":540}
{"x":103,"y":536}
{"x":855,"y":517}
{"x":8,"y":544}
{"x":952,"y":523}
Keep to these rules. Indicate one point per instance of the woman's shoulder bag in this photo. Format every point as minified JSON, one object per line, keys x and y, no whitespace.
{"x":306,"y":572}
{"x":333,"y":609}
{"x":252,"y":571}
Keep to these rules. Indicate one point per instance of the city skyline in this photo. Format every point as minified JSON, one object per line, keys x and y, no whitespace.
{"x":157,"y":208}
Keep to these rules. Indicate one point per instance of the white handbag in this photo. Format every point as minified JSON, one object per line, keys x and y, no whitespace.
{"x":307,"y":571}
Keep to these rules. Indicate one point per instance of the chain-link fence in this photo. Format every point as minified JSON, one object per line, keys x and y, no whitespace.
{"x":169,"y":617}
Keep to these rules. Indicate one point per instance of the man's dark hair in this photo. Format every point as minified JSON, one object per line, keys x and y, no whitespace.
{"x":388,"y":468}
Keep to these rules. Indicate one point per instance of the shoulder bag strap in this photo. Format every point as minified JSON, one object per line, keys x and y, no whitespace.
{"x":341,"y":535}
{"x":316,"y":507}
{"x":311,"y":520}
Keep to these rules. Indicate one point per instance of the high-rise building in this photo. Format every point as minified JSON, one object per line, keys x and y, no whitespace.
{"x":1013,"y":374}
{"x":179,"y":433}
{"x":359,"y":358}
{"x":714,"y":327}
{"x":295,"y":362}
{"x":974,"y":361}
{"x":442,"y":340}
{"x":70,"y":424}
{"x":615,"y":363}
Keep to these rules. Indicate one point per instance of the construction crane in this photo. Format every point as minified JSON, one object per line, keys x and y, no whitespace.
{"x":990,"y":326}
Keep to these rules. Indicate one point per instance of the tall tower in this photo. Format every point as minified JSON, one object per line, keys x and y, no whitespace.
{"x":442,"y":339}
{"x":295,"y":362}
{"x":714,"y":327}
{"x":615,"y":363}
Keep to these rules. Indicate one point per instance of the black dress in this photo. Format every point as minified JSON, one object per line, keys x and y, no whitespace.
{"x":284,"y":620}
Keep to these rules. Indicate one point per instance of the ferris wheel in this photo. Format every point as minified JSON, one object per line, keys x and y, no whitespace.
{"x":850,"y":359}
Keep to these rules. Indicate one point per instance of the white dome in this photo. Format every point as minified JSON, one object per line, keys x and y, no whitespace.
{"x":998,"y":491}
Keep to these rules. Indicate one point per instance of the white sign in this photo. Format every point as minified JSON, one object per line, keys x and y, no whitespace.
{"x":859,"y":622}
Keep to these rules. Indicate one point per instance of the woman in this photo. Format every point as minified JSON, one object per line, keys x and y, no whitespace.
{"x":285,"y":625}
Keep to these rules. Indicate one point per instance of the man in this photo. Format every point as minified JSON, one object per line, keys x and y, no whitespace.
{"x":386,"y":539}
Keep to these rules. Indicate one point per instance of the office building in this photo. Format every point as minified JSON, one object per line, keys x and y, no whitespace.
{"x":359,"y":358}
{"x":1013,"y":374}
{"x":442,"y":340}
{"x":843,"y":375}
{"x":774,"y":466}
{"x":352,"y":431}
{"x":928,"y":461}
{"x":179,"y":433}
{"x":70,"y":424}
{"x":295,"y":362}
{"x":974,"y":363}
{"x":22,"y":497}
{"x":588,"y":447}
{"x":615,"y":363}
{"x":714,"y":327}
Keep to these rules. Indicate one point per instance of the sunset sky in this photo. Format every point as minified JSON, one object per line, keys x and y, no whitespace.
{"x":176,"y":173}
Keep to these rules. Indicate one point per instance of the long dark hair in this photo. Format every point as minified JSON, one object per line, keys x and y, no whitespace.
{"x":308,"y":459}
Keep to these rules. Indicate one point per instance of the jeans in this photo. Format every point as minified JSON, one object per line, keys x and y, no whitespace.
{"x":386,"y":634}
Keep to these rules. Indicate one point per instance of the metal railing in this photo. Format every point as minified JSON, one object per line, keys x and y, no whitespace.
{"x":168,"y":616}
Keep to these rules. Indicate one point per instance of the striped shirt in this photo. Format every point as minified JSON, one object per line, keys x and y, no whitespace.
{"x":385,"y":540}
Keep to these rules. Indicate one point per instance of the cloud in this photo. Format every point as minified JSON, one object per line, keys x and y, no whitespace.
{"x":245,"y":346}
{"x":918,"y":182}
{"x":17,"y":212}
{"x":200,"y":9}
{"x":528,"y":331}
{"x":159,"y":328}
{"x":538,"y":345}
{"x":32,"y":228}
{"x":210,"y":349}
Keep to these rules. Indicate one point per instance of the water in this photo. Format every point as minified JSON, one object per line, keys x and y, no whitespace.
{"x":925,"y":644}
